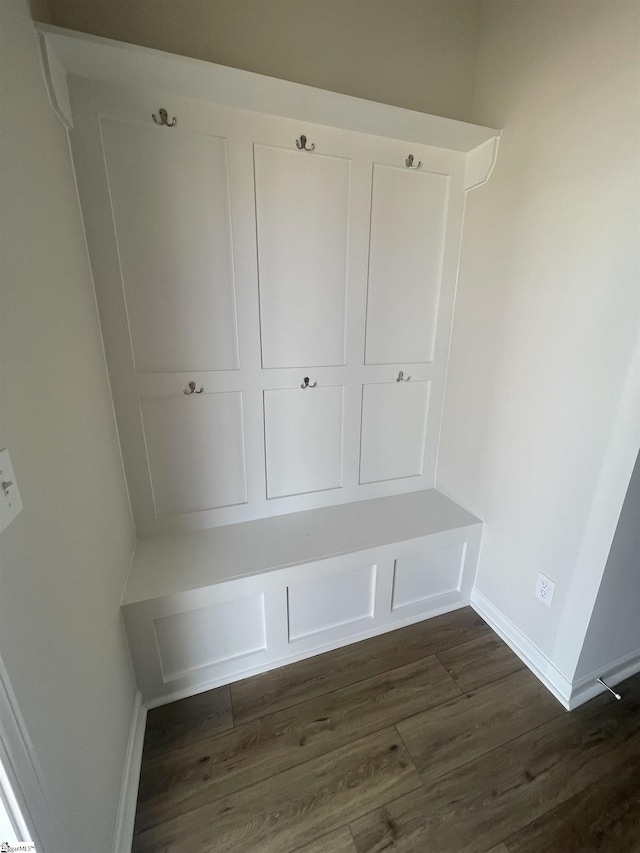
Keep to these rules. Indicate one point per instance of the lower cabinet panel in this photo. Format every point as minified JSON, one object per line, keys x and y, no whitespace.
{"x":394,"y":424}
{"x":303,"y":440}
{"x":316,"y":606}
{"x":209,"y":635}
{"x":195,"y":449}
{"x":419,"y":577}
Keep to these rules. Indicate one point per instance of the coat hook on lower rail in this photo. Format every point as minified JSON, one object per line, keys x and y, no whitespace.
{"x":613,"y":692}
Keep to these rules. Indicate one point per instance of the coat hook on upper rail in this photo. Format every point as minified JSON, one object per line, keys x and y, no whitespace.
{"x":192,"y":389}
{"x":164,"y":118}
{"x":301,"y":143}
{"x":307,"y":384}
{"x":402,"y":377}
{"x":409,"y":163}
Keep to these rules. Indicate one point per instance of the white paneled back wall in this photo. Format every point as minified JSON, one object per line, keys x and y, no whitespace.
{"x":276,"y":297}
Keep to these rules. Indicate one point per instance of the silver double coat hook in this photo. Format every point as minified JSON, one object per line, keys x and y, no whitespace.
{"x":301,"y":144}
{"x":164,"y":118}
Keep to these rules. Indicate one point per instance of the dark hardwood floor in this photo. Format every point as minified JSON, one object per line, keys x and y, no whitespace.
{"x":430,"y":739}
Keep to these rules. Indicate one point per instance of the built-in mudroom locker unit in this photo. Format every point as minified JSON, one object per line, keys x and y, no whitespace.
{"x":275,"y":268}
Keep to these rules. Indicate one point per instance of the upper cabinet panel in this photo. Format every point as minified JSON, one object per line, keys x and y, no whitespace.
{"x":171,"y":208}
{"x":408,"y":214}
{"x":302,"y":211}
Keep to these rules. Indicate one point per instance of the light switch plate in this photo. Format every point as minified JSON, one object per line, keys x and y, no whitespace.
{"x":10,"y":501}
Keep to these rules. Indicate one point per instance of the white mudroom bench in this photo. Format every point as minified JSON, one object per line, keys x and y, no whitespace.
{"x":209,"y":607}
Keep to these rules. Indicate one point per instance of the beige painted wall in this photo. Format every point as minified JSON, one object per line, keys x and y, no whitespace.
{"x":63,"y":561}
{"x":542,"y":412}
{"x":419,"y":54}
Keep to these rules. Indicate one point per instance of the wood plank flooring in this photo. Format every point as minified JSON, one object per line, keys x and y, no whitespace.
{"x":430,"y":739}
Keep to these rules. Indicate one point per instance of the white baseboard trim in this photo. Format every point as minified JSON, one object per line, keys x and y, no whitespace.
{"x":123,"y":837}
{"x":587,"y":687}
{"x":541,"y":666}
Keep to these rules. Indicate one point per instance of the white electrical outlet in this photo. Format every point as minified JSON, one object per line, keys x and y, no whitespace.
{"x":545,"y":588}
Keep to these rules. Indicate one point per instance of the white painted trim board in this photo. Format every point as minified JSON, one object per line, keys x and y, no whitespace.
{"x":125,"y":820}
{"x":529,"y":654}
{"x":21,"y":765}
{"x":570,"y":694}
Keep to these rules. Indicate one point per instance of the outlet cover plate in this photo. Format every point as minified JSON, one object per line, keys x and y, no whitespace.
{"x":545,"y":588}
{"x":10,"y":501}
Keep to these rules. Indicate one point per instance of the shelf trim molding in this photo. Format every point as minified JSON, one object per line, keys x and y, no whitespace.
{"x":480,"y":163}
{"x":66,"y":52}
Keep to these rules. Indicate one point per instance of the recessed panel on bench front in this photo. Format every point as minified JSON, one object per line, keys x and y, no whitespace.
{"x":195,"y":449}
{"x":303,"y":440}
{"x":408,"y":214}
{"x":210,"y":635}
{"x":302,"y":210}
{"x":317,"y":606}
{"x":170,"y":201}
{"x":394,"y":424}
{"x":419,"y":577}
